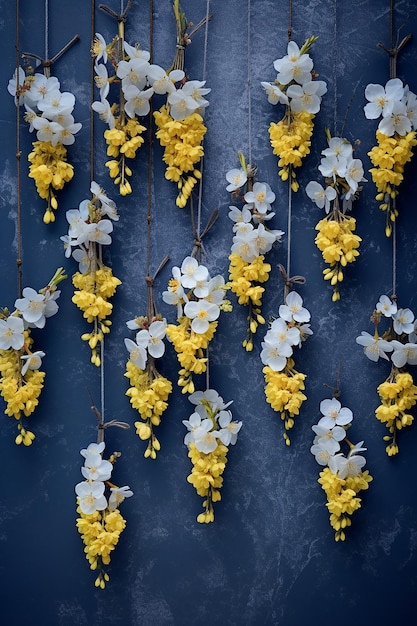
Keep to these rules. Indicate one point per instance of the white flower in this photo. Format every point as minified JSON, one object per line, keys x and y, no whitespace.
{"x":411,"y":106}
{"x":280,"y":332}
{"x":192,"y":272}
{"x":264,"y":239}
{"x":32,"y":307}
{"x":181,"y":104}
{"x":47,"y":130}
{"x":236,"y":179}
{"x":328,"y":438}
{"x":274,"y":354}
{"x":93,"y":448}
{"x":97,"y":231}
{"x":134,"y":52}
{"x":239,"y":216}
{"x":386,"y":306}
{"x":175,"y":294}
{"x":353,"y":175}
{"x":191,"y":424}
{"x":403,"y":353}
{"x":338,"y":147}
{"x":196,"y":89}
{"x":321,"y":453}
{"x":137,"y":101}
{"x":95,"y":467}
{"x":333,"y":166}
{"x":229,"y":429}
{"x":205,"y":440}
{"x":261,"y":196}
{"x":403,"y":321}
{"x":209,"y":397}
{"x":201,"y":313}
{"x":105,"y":113}
{"x":160,"y":81}
{"x":374,"y":346}
{"x":117,"y":495}
{"x":381,"y":100}
{"x":11,"y":333}
{"x":334,"y":414}
{"x":42,"y":86}
{"x":101,"y":80}
{"x":100,"y":48}
{"x":152,"y":339}
{"x":294,"y":66}
{"x":17,"y":79}
{"x":91,"y":496}
{"x":396,"y":122}
{"x":137,"y":354}
{"x":322,"y":197}
{"x":244,"y":242}
{"x":84,"y":257}
{"x":306,"y":97}
{"x":274,"y":93}
{"x":344,"y":467}
{"x":56,"y":102}
{"x":293,"y":309}
{"x":133,"y":72}
{"x":32,"y":361}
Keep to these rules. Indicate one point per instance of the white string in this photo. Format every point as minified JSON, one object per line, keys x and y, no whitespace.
{"x":249,"y":81}
{"x":102,"y":378}
{"x":394,"y":256}
{"x":335,"y":51}
{"x":200,"y":184}
{"x":289,"y":226}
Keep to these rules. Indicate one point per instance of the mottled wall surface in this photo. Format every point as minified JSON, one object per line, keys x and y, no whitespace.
{"x":270,"y":556}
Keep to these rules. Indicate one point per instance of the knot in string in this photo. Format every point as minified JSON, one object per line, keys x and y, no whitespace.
{"x":290,"y":281}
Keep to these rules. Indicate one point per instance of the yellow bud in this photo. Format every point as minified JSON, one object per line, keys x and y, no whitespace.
{"x":54,"y":203}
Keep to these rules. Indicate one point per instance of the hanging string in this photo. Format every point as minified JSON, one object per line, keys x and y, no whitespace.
{"x":289,"y":219}
{"x":18,"y":156}
{"x":335,"y":57}
{"x":46,"y":29}
{"x":249,"y":84}
{"x":92,"y":118}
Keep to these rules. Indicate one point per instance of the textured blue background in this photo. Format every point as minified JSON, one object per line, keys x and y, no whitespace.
{"x":270,"y":557}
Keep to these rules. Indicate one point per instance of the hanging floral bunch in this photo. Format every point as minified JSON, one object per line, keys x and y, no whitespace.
{"x":199,"y":299}
{"x":295,"y":87}
{"x":284,"y":384}
{"x":396,"y":136}
{"x":248,"y":271}
{"x":343,"y":476}
{"x":149,"y":390}
{"x":211,"y":431}
{"x":21,"y":379}
{"x":336,"y":238}
{"x":180,"y":120}
{"x":49,"y":113}
{"x":100,"y":522}
{"x":129,"y":69}
{"x":398,"y":344}
{"x":90,"y":228}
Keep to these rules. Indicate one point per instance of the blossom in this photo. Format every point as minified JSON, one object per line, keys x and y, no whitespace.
{"x":32,"y":361}
{"x":347,"y":466}
{"x":381,"y":100}
{"x":117,"y":495}
{"x":236,"y":179}
{"x":32,"y":307}
{"x":329,"y":438}
{"x":274,"y":93}
{"x":333,"y":166}
{"x":152,"y":339}
{"x":192,"y":272}
{"x":133,"y":72}
{"x":93,"y":448}
{"x":273,"y":354}
{"x":193,"y":422}
{"x":386,"y":306}
{"x":403,"y":321}
{"x":103,"y":108}
{"x":101,"y":80}
{"x":293,"y":309}
{"x":374,"y":346}
{"x":91,"y":496}
{"x":229,"y":429}
{"x":321,"y":453}
{"x":284,"y":333}
{"x":95,"y":467}
{"x":261,"y":196}
{"x":11,"y":333}
{"x":322,"y":197}
{"x":99,"y":48}
{"x":196,"y":89}
{"x":201,"y":313}
{"x":293,"y":66}
{"x":205,"y":440}
{"x":137,"y":101}
{"x":353,"y":175}
{"x":403,"y":353}
{"x":396,"y":122}
{"x":306,"y":97}
{"x":334,"y":414}
{"x":137,"y":354}
{"x":181,"y":104}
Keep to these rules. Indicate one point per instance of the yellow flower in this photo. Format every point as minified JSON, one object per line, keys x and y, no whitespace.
{"x":206,"y":477}
{"x":290,"y":140}
{"x":398,"y":394}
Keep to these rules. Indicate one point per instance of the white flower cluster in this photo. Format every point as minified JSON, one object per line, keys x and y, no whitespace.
{"x":294,"y":85}
{"x":342,"y":172}
{"x":204,"y":297}
{"x":401,"y":341}
{"x":140,"y":80}
{"x":395,"y":103}
{"x":210,"y":422}
{"x":48,"y":110}
{"x":148,"y":341}
{"x":288,"y":330}
{"x":96,"y":472}
{"x":329,"y":432}
{"x":89,"y":224}
{"x":251,"y":238}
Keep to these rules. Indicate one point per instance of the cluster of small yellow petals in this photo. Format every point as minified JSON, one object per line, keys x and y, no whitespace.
{"x":291,"y":140}
{"x":123,"y":141}
{"x":206,"y":477}
{"x":20,"y":393}
{"x":398,"y":395}
{"x":190,"y":347}
{"x":284,"y":392}
{"x":389,"y":157}
{"x":183,"y":150}
{"x":148,"y":393}
{"x":342,"y":498}
{"x":91,"y":296}
{"x":100,"y":532}
{"x":339,"y":246}
{"x":50,"y":171}
{"x":243,"y":281}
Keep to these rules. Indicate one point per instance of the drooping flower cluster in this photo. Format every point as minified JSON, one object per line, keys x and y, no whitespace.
{"x":295,"y":87}
{"x":100,"y":522}
{"x":211,"y":431}
{"x":89,"y":229}
{"x":198,"y":299}
{"x":49,"y":113}
{"x":252,"y":240}
{"x":149,"y":390}
{"x":343,"y":476}
{"x":396,"y":136}
{"x":398,"y":344}
{"x":284,"y":384}
{"x":21,"y":380}
{"x":336,"y":239}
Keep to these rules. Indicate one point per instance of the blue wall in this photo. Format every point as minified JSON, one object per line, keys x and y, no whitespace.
{"x":270,"y":556}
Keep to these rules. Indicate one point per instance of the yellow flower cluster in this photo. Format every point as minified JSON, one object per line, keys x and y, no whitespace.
{"x":243,"y":281}
{"x":183,"y":150}
{"x":339,"y":246}
{"x":91,"y":296}
{"x":342,"y":498}
{"x":123,"y":141}
{"x":206,"y":477}
{"x":20,"y":393}
{"x":389,"y":157}
{"x":100,"y":532}
{"x":190,"y":347}
{"x":398,"y":395}
{"x":50,"y":170}
{"x":284,"y":392}
{"x":148,"y":394}
{"x":290,"y":140}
